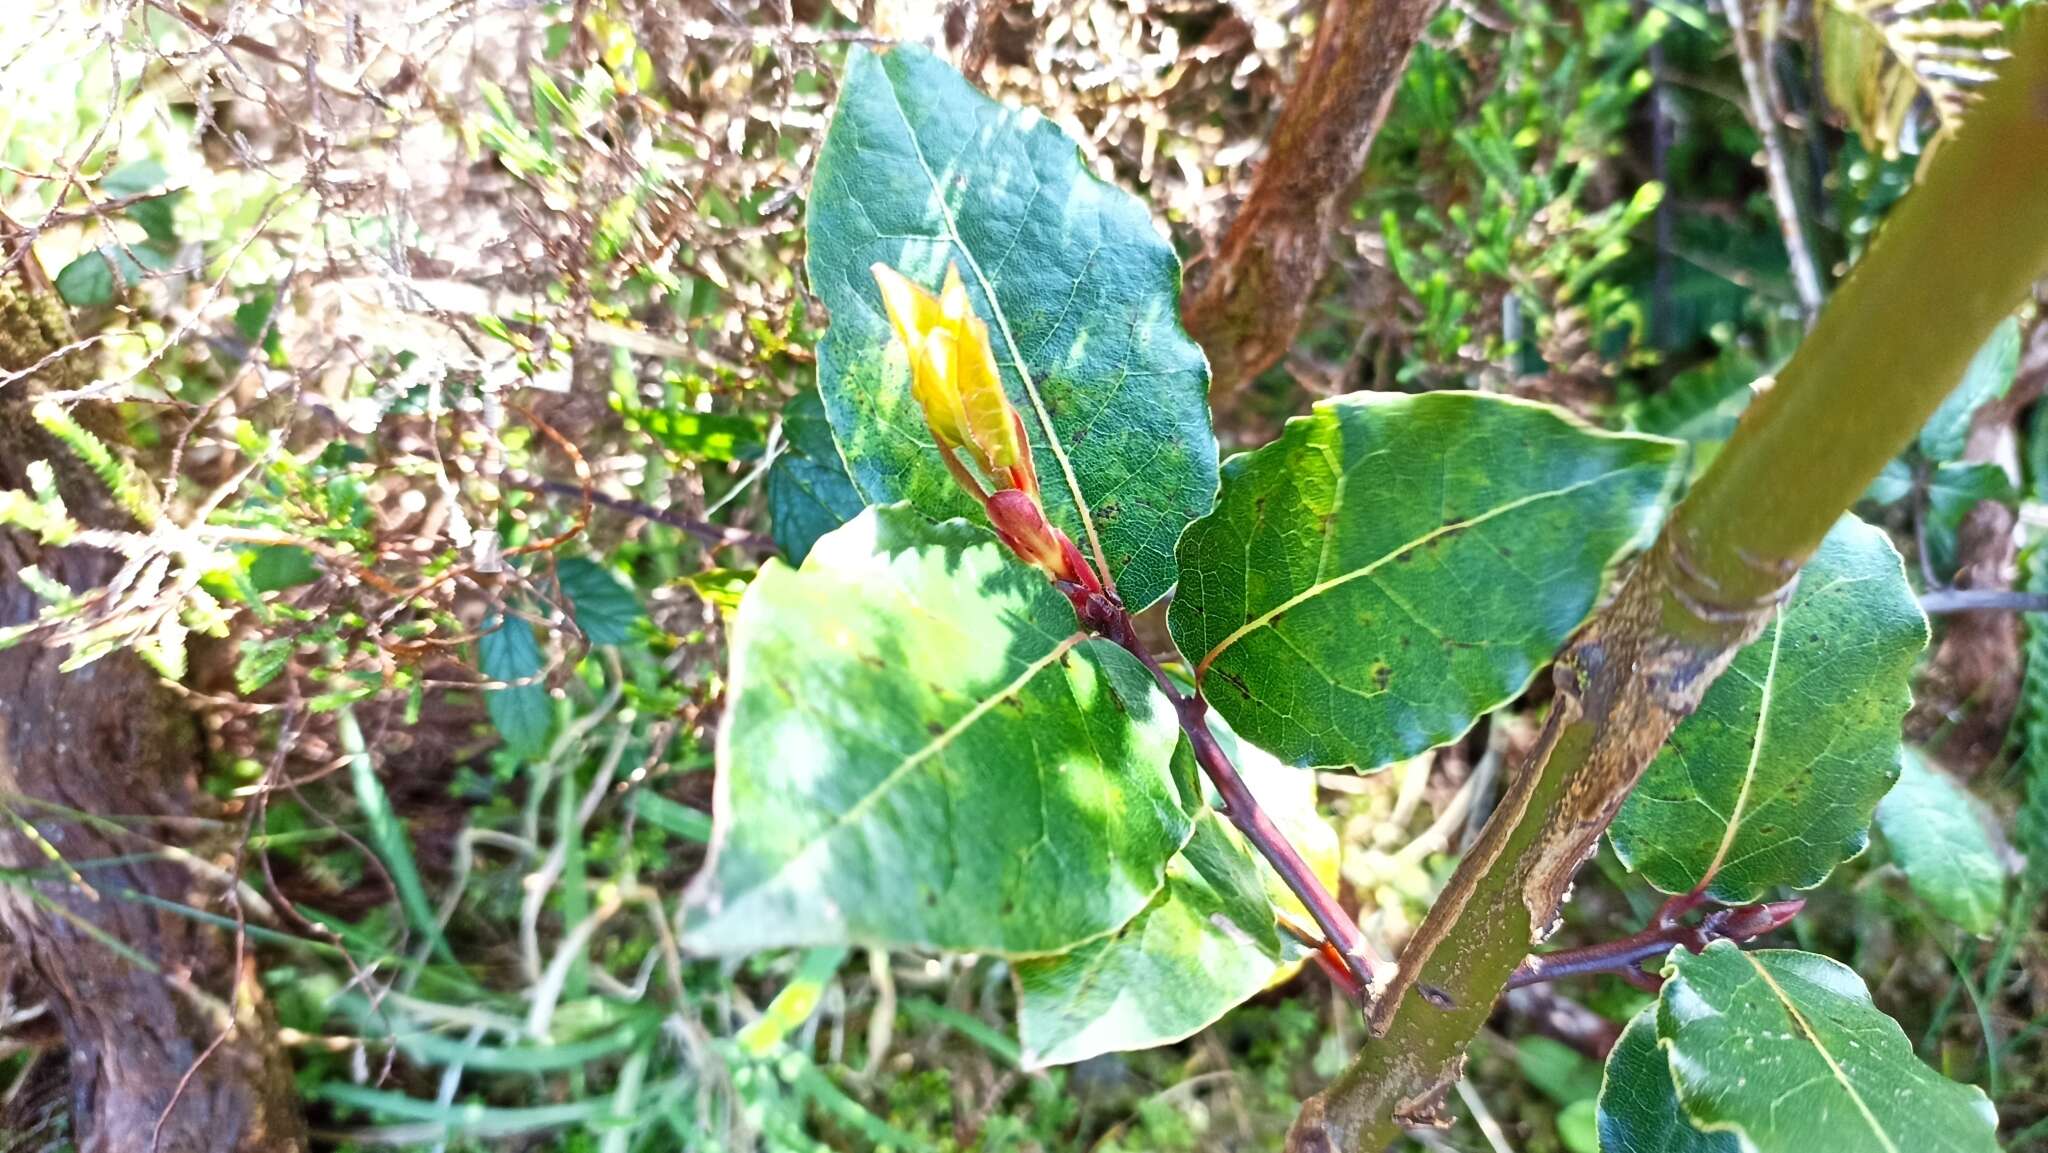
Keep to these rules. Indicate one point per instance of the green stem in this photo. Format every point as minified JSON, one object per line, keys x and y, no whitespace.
{"x":1956,"y":256}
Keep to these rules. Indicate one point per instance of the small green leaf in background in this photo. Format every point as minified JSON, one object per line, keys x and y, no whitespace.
{"x":1206,"y":943}
{"x":1892,"y":485}
{"x":603,"y":607}
{"x":90,"y":280}
{"x":282,"y":566}
{"x":1772,"y":781}
{"x":794,"y":1004}
{"x":1786,"y":1050}
{"x":1940,"y":843}
{"x":671,"y":817}
{"x":714,"y":436}
{"x":1639,"y":1110}
{"x":1080,"y":292}
{"x":1990,"y":374}
{"x":509,"y":650}
{"x":920,"y":749}
{"x":809,"y":493}
{"x":157,"y":214}
{"x":1393,"y":567}
{"x":1955,"y":488}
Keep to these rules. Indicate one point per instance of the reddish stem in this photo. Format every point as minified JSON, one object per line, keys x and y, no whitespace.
{"x":1625,"y":957}
{"x":1343,"y":950}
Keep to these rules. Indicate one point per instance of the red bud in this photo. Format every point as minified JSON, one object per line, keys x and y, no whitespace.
{"x":1022,"y":525}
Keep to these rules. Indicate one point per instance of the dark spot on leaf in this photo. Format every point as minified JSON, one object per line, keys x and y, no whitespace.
{"x":1382,"y":676}
{"x":934,"y":728}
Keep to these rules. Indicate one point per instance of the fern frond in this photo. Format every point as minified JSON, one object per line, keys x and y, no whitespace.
{"x":129,"y":490}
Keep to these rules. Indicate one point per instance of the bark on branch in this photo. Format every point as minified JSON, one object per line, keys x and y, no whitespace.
{"x":1247,"y":295}
{"x":1959,"y":252}
{"x":170,"y":1047}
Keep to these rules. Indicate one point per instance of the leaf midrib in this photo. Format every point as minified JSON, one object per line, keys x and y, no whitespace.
{"x":1320,"y":587}
{"x":1806,"y":1030}
{"x":1756,"y":749}
{"x":988,"y":291}
{"x":931,"y":748}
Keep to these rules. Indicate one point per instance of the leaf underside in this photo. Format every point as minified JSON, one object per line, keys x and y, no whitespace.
{"x":1942,"y":846}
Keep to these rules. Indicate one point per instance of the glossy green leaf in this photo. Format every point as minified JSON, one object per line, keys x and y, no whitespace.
{"x":1785,"y":1049}
{"x":509,"y":651}
{"x":1206,"y":943}
{"x":1990,"y":374}
{"x":1639,"y":1110}
{"x":1395,"y":566}
{"x":809,"y":493}
{"x":921,"y":750}
{"x":1079,"y":290}
{"x":603,"y":607}
{"x":1773,"y":780}
{"x":1940,"y":843}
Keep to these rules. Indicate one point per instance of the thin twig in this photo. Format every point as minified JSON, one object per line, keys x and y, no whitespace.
{"x":717,"y":536}
{"x":1936,"y":602}
{"x":1360,"y":970}
{"x":1626,"y":955}
{"x":1805,"y":278}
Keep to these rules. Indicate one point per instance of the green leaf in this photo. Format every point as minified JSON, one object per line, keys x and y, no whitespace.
{"x":1955,"y":488}
{"x":1773,"y":780}
{"x":670,"y":817}
{"x":137,"y":177}
{"x":809,"y":493}
{"x":1940,"y":843}
{"x":1892,"y":485}
{"x":388,"y":835}
{"x":1786,"y":1050}
{"x":1079,"y":290}
{"x":604,"y":608}
{"x":1394,"y":566}
{"x":1206,"y":943}
{"x":1990,"y":374}
{"x":282,"y":566}
{"x":1557,"y":1070}
{"x":793,"y":1005}
{"x":922,"y":750}
{"x":90,"y":280}
{"x":261,"y":660}
{"x":1639,"y":1110}
{"x":717,"y":436}
{"x":509,"y":651}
